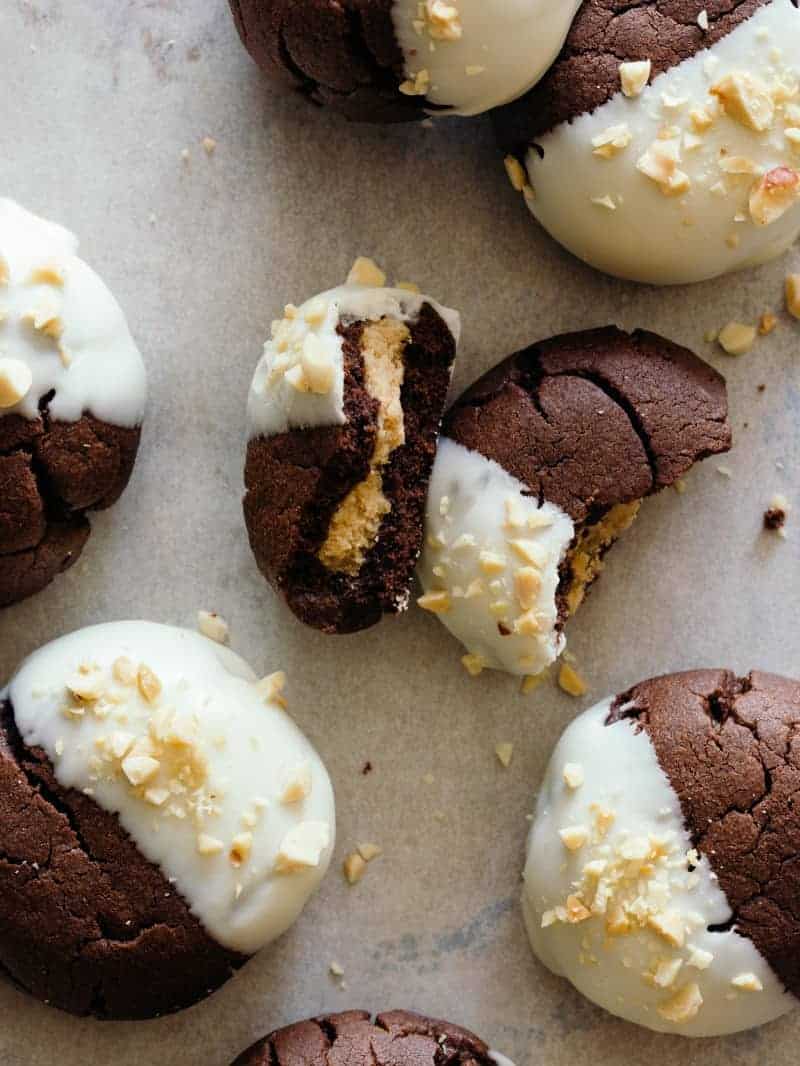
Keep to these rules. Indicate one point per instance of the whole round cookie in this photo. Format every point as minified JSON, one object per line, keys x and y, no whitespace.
{"x":542,"y":465}
{"x":343,"y":416}
{"x":72,"y":399}
{"x":395,"y":1038}
{"x":161,"y":819}
{"x":663,"y":872}
{"x":396,"y":60}
{"x":662,"y":144}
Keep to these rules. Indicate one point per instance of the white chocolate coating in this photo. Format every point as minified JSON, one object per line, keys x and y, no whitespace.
{"x":235,"y":780}
{"x":501,"y":48}
{"x":276,"y":405}
{"x":58,"y":318}
{"x":609,"y":213}
{"x":482,"y":533}
{"x":644,"y":884}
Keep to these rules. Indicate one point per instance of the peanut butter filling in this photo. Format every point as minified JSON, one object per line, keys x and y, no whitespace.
{"x":357,"y":520}
{"x":585,"y":560}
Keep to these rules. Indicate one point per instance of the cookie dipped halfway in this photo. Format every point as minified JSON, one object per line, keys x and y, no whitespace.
{"x":397,"y":60}
{"x":662,"y":872}
{"x":343,"y":416}
{"x":542,"y":465}
{"x":394,"y":1038}
{"x":662,"y":144}
{"x":72,"y":400}
{"x":162,"y":819}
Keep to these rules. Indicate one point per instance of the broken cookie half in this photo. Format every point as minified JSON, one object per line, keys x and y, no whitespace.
{"x":344,"y":413}
{"x":543,"y":464}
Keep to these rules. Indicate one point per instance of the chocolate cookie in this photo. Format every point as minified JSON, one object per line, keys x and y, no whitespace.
{"x":663,"y":873}
{"x":395,"y":60}
{"x":138,"y":866}
{"x":344,"y":413}
{"x":660,"y":146}
{"x":395,"y":1038}
{"x":543,"y":463}
{"x":72,"y":396}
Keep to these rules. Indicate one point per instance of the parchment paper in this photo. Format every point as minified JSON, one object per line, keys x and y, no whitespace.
{"x":100,"y":98}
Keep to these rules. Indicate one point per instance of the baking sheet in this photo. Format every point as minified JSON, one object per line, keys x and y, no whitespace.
{"x":101,"y":98}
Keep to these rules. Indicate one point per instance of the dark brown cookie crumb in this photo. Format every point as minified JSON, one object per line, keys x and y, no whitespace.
{"x":731,"y":750}
{"x":87,"y":924}
{"x":774,"y":518}
{"x":396,"y":1038}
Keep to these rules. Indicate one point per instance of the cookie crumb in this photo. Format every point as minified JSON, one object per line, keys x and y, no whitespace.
{"x":366,"y":768}
{"x":209,"y":145}
{"x":736,"y":338}
{"x":365,"y":271}
{"x":776,"y":514}
{"x":532,"y":681}
{"x":354,"y":868}
{"x":213,"y":626}
{"x":504,"y":753}
{"x":368,"y":852}
{"x":571,"y":682}
{"x":336,"y":970}
{"x":792,"y":288}
{"x":767,"y":323}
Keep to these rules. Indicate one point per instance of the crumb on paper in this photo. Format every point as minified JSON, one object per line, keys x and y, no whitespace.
{"x":737,"y":338}
{"x":767,"y":323}
{"x":354,"y":868}
{"x":680,"y":486}
{"x":336,"y":969}
{"x":505,"y":753}
{"x":365,"y":271}
{"x":213,"y":626}
{"x":793,"y":295}
{"x":776,"y":514}
{"x":725,"y":471}
{"x":366,"y":769}
{"x":368,"y":852}
{"x":532,"y":681}
{"x":209,"y":145}
{"x":571,"y":682}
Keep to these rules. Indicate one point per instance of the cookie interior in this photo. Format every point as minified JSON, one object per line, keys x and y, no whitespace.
{"x":356,"y":521}
{"x":585,"y":560}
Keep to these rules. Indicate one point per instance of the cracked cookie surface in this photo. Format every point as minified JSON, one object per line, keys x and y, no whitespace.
{"x":86,"y":923}
{"x":731,"y":749}
{"x":395,"y":1038}
{"x":542,"y":465}
{"x":661,"y":869}
{"x":592,"y":419}
{"x":51,"y":474}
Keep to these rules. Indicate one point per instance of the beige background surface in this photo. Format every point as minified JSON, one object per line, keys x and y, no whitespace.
{"x":100,"y":97}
